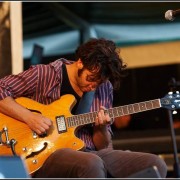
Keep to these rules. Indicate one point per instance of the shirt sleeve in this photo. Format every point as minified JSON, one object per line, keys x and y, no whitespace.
{"x":22,"y":84}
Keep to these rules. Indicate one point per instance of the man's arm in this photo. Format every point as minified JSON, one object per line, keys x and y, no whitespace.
{"x":102,"y":130}
{"x":101,"y":135}
{"x":36,"y":122}
{"x":23,"y":84}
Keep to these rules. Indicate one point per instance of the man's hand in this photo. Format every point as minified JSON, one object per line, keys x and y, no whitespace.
{"x":38,"y":123}
{"x":101,"y":135}
{"x":103,"y":118}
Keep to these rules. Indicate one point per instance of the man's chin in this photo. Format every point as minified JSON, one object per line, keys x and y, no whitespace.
{"x":86,"y":90}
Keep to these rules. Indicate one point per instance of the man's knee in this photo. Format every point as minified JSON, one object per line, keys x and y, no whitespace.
{"x":159,"y":163}
{"x":86,"y":165}
{"x":94,"y":161}
{"x":93,"y":166}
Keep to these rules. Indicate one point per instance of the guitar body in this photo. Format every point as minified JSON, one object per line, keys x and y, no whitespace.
{"x":33,"y":148}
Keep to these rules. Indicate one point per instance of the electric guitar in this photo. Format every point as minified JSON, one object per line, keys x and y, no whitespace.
{"x":16,"y":138}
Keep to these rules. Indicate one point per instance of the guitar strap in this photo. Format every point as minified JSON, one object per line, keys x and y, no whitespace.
{"x":85,"y":103}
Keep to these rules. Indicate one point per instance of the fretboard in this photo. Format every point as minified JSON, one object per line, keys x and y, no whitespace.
{"x":88,"y":118}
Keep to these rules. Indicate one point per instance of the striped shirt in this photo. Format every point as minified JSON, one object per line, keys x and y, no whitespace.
{"x":42,"y":83}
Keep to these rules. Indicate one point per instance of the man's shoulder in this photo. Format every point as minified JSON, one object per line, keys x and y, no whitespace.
{"x":59,"y":62}
{"x":105,"y":87}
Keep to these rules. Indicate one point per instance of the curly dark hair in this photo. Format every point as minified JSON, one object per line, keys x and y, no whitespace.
{"x":100,"y":56}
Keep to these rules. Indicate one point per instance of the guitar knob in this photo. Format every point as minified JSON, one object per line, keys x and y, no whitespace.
{"x":34,"y":161}
{"x":174,"y":112}
{"x":24,"y":149}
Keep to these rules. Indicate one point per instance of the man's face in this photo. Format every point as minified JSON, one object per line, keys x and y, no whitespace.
{"x":85,"y":81}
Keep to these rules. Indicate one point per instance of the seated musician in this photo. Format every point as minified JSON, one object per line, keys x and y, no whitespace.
{"x":96,"y":67}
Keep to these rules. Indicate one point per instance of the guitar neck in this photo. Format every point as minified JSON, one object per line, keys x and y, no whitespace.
{"x":88,"y":118}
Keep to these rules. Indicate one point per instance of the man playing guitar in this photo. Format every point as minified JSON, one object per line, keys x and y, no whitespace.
{"x":97,"y":67}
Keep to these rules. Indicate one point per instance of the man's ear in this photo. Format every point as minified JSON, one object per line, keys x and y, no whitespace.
{"x":79,"y":64}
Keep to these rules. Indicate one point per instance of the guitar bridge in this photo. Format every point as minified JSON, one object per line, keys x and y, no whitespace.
{"x":9,"y":143}
{"x":61,"y":124}
{"x":5,"y":132}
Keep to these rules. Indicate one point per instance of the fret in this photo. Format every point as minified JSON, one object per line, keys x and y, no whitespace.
{"x":120,"y":112}
{"x":67,"y":121}
{"x":115,"y":112}
{"x":91,"y":117}
{"x":130,"y":109}
{"x":142,"y":106}
{"x":125,"y":110}
{"x":110,"y":111}
{"x":86,"y":116}
{"x":71,"y":122}
{"x":76,"y":121}
{"x":149,"y":105}
{"x":156,"y":103}
{"x":136,"y":107}
{"x":83,"y":120}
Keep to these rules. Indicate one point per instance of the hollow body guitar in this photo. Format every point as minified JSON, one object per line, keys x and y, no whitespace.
{"x":16,"y":138}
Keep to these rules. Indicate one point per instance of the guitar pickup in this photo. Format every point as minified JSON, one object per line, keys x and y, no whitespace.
{"x":61,"y":124}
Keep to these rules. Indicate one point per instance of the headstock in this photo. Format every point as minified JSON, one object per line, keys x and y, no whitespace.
{"x":171,"y":101}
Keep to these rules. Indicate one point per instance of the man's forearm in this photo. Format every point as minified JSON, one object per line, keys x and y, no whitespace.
{"x":37,"y":122}
{"x":10,"y":107}
{"x":101,"y":137}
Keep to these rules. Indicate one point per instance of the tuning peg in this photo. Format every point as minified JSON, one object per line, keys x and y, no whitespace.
{"x":177,"y":94}
{"x":174,"y":112}
{"x":170,"y":93}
